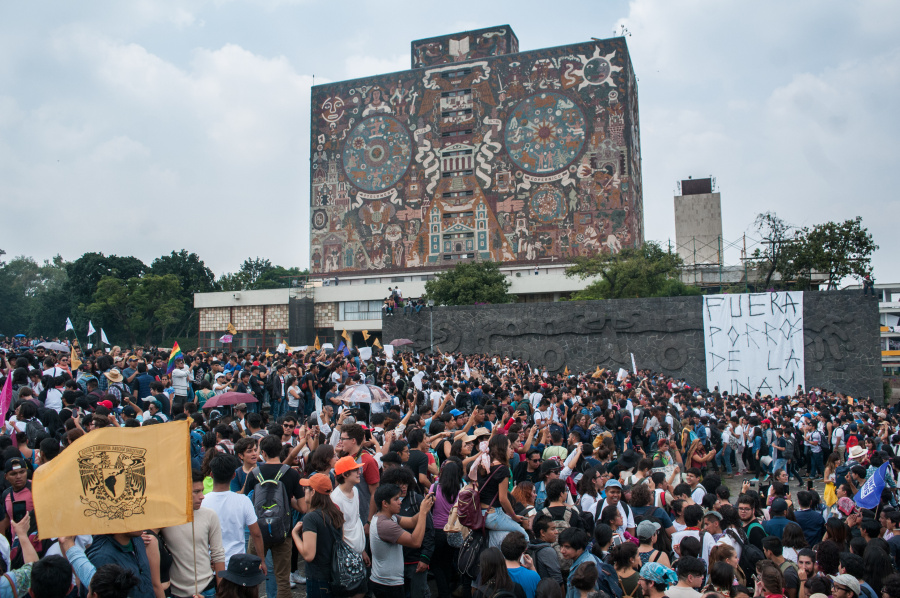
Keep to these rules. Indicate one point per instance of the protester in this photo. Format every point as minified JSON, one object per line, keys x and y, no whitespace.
{"x":542,"y":448}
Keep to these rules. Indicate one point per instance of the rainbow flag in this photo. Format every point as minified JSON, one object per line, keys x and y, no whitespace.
{"x":175,"y":354}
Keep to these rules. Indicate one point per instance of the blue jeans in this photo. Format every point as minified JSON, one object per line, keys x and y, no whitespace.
{"x":278,"y":407}
{"x":620,"y":442}
{"x":723,"y":459}
{"x":499,"y":521}
{"x":317,"y":589}
{"x":816,"y":468}
{"x":780,"y":464}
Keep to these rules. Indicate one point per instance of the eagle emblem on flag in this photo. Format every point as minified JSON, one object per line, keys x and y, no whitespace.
{"x":113,"y":481}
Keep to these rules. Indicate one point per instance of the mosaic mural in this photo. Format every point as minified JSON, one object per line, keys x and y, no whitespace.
{"x":479,"y":154}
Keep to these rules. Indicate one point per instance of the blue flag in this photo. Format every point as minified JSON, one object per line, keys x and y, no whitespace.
{"x":869,"y":496}
{"x":343,"y":349}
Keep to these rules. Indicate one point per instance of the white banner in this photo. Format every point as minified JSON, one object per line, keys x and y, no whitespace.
{"x":754,"y":342}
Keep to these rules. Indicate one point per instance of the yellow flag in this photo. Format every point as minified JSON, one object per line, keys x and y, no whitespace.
{"x":116,"y":480}
{"x":317,"y":345}
{"x":377,"y":343}
{"x":345,"y":335}
{"x":405,"y":369}
{"x":566,"y":371}
{"x":74,"y":362}
{"x":231,"y":329}
{"x":365,"y":335}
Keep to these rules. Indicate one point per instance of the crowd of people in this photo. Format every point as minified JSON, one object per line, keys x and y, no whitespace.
{"x":482,"y":476}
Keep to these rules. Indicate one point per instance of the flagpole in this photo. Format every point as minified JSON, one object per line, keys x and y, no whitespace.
{"x":194,"y":551}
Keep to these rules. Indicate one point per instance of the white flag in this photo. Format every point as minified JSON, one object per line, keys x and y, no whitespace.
{"x":103,"y":337}
{"x":467,"y":370}
{"x":91,"y":328}
{"x":633,"y":365}
{"x":90,"y":345}
{"x":69,"y":324}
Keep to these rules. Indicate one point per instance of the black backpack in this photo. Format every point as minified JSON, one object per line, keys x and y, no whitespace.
{"x":663,"y":540}
{"x":272,"y":506}
{"x":34,"y":431}
{"x":470,"y":552}
{"x":750,"y":553}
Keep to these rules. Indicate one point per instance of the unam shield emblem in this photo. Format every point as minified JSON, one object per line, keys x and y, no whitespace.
{"x":113,"y":481}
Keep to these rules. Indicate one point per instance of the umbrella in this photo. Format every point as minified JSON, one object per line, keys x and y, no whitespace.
{"x":20,"y":336}
{"x":399,"y":342}
{"x":364,"y":393}
{"x":54,"y":346}
{"x":230,"y":398}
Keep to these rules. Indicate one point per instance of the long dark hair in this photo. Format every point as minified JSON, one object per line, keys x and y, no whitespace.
{"x":498,"y":450}
{"x":330,"y":511}
{"x":449,"y":480}
{"x":586,"y":483}
{"x":494,"y":574}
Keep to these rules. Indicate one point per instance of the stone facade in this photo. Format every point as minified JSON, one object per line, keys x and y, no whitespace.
{"x":664,"y":334}
{"x":248,"y":317}
{"x":478,"y":152}
{"x":325,"y":315}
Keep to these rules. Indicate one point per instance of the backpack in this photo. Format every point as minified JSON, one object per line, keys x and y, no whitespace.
{"x":788,"y":564}
{"x":840,"y":475}
{"x":824,"y":442}
{"x":468,"y":505}
{"x":34,"y":430}
{"x":272,"y":506}
{"x":716,"y":437}
{"x":608,"y":581}
{"x":196,"y":449}
{"x":788,"y":453}
{"x":347,"y":566}
{"x":750,"y":553}
{"x":663,"y":540}
{"x":470,"y":552}
{"x":559,"y":526}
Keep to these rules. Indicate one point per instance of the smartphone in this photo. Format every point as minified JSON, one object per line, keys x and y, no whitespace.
{"x":809,"y":484}
{"x":19,"y":510}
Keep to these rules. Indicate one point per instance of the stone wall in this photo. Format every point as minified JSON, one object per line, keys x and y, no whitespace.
{"x":665,"y":335}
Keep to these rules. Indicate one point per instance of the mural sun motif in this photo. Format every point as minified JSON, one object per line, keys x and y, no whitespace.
{"x":545,"y":133}
{"x":597,"y":69}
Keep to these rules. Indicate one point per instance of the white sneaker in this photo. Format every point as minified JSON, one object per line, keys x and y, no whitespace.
{"x":297,"y":579}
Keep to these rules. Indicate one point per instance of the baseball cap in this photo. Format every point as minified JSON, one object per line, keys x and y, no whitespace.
{"x":779,"y":505}
{"x":846,"y":580}
{"x":107,"y":404}
{"x":457,"y":412}
{"x":129,"y":411}
{"x":345,"y":464}
{"x":14,"y":464}
{"x":646,"y":529}
{"x":613,"y":484}
{"x":548,"y":466}
{"x":319,"y":482}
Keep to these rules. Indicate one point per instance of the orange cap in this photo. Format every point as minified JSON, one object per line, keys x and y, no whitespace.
{"x":320,"y":482}
{"x":345,"y":464}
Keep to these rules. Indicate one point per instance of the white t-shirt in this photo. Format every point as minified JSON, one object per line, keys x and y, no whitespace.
{"x":354,"y":534}
{"x":739,"y":432}
{"x":698,"y":493}
{"x":235,"y":513}
{"x":837,"y":436}
{"x":54,"y":400}
{"x":627,"y":516}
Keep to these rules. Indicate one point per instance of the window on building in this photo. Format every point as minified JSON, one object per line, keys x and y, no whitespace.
{"x":447,"y":175}
{"x":360,"y":310}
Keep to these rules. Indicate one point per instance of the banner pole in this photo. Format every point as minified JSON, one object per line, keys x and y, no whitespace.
{"x":194,"y":551}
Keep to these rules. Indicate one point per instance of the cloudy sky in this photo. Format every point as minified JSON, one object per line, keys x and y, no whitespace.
{"x":140,"y":127}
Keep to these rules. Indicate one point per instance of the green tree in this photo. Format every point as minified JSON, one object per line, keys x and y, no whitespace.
{"x":469,"y":283}
{"x":194,"y":277}
{"x":246,"y":278}
{"x":646,"y":271}
{"x":279,"y":277}
{"x":839,"y":250}
{"x":143,"y":307}
{"x":779,"y":247}
{"x":84,"y":275}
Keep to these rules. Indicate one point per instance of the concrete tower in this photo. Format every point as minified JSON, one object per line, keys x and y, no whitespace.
{"x":698,"y":223}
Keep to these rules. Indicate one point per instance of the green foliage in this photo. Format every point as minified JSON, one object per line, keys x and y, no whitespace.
{"x":259,"y":273}
{"x":32,"y":296}
{"x":469,"y":283}
{"x":143,"y":307}
{"x":837,"y":250}
{"x":888,"y":390}
{"x":646,"y":271}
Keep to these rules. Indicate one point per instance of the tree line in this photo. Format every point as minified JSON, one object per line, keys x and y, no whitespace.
{"x":133,"y":302}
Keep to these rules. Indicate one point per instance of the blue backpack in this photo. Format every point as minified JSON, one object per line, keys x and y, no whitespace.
{"x":196,"y":449}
